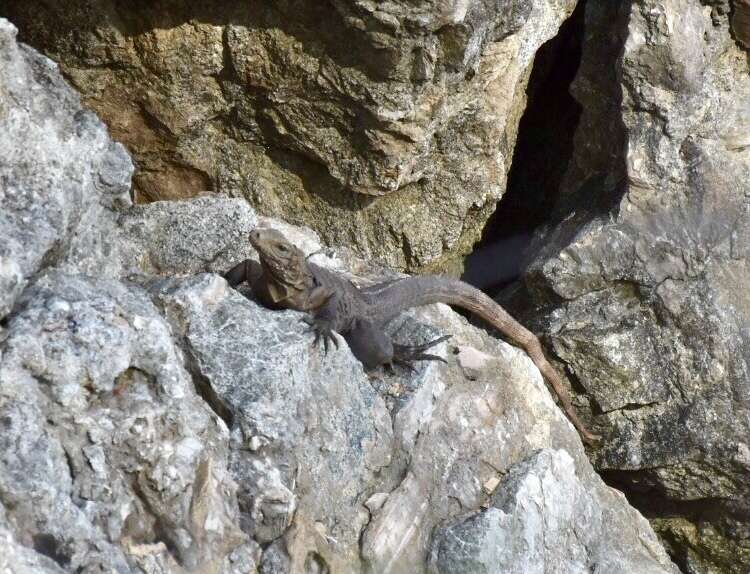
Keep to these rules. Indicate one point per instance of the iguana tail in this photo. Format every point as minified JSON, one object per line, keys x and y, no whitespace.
{"x":388,"y":300}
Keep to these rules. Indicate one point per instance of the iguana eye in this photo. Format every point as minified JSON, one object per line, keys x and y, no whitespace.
{"x":281,"y":247}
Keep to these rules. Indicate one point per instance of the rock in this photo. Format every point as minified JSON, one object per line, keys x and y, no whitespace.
{"x":319,"y":433}
{"x":21,"y":559}
{"x":243,"y":559}
{"x":104,"y":438}
{"x":647,"y":299}
{"x":152,"y":419}
{"x":314,"y":445}
{"x":171,"y":237}
{"x":109,"y":459}
{"x":59,"y":172}
{"x":545,"y":516}
{"x":415,"y":103}
{"x":741,"y":22}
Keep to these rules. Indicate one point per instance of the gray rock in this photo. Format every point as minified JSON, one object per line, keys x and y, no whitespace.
{"x":172,"y":425}
{"x":648,"y":300}
{"x":545,"y":516}
{"x":104,"y":438}
{"x":244,"y":559}
{"x":19,"y":559}
{"x":313,"y":445}
{"x":59,"y":173}
{"x":183,"y":238}
{"x":309,"y":433}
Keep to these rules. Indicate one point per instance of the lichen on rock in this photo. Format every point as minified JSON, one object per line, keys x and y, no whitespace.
{"x":389,"y":129}
{"x":647,"y":298}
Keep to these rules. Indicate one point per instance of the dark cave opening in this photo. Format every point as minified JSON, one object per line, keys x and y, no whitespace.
{"x":544,"y":146}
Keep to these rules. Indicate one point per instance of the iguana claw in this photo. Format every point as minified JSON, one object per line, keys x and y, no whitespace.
{"x":323,"y":331}
{"x":404,"y":354}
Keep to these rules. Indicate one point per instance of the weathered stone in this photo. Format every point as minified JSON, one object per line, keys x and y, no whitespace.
{"x":414,"y":102}
{"x":741,"y":22}
{"x":648,"y":300}
{"x":187,"y":429}
{"x":180,"y":238}
{"x":59,"y":171}
{"x":309,"y":434}
{"x":545,"y":516}
{"x":313,"y":445}
{"x":19,"y":559}
{"x":108,"y":453}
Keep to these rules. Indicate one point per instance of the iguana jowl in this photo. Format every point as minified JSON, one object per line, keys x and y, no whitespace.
{"x":285,"y":279}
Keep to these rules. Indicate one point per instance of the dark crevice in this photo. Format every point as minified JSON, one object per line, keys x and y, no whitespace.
{"x":49,"y":546}
{"x":645,"y":494}
{"x":542,"y":152}
{"x":206,"y":391}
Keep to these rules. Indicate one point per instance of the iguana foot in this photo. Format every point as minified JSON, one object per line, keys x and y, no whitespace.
{"x":323,"y":331}
{"x":404,"y":355}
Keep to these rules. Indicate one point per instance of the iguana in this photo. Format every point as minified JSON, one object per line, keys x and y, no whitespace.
{"x":285,"y":279}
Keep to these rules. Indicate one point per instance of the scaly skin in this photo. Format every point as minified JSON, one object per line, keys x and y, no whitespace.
{"x":285,"y":279}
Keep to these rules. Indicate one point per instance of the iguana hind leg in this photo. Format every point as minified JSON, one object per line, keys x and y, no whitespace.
{"x":369,"y":343}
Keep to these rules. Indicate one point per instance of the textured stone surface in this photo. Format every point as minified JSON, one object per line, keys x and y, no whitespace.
{"x":108,"y":455}
{"x":327,"y":464}
{"x":309,"y":433}
{"x":389,"y":129}
{"x":58,"y":171}
{"x":169,"y":424}
{"x":173,"y":238}
{"x":543,"y":514}
{"x":649,"y":300}
{"x":16,"y":558}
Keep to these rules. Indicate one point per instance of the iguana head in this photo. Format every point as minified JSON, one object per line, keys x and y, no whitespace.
{"x":284,"y":262}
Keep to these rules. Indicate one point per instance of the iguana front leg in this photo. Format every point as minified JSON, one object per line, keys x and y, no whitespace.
{"x":326,"y":318}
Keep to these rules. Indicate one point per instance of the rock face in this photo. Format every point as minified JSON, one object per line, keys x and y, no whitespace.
{"x":542,"y":513}
{"x":107,"y":450}
{"x":649,"y":301}
{"x":56,"y":184}
{"x":389,"y":129}
{"x":155,"y":420}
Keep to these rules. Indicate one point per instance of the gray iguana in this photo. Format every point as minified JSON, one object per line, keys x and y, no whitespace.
{"x":285,"y":279}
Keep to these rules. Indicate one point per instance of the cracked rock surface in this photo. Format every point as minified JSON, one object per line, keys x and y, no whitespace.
{"x":154,"y":420}
{"x":648,"y":298}
{"x":389,"y":129}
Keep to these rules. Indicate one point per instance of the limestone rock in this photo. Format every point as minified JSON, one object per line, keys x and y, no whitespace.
{"x":15,"y":557}
{"x":315,"y":440}
{"x":108,"y":453}
{"x":309,"y":433}
{"x":171,"y":237}
{"x":648,"y":299}
{"x":544,"y":513}
{"x":59,"y":171}
{"x":169,"y":424}
{"x":389,"y":129}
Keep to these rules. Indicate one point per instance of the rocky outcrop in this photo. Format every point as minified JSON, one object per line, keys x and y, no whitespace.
{"x":108,"y":452}
{"x":505,"y":536}
{"x":155,"y":420}
{"x":56,"y":183}
{"x":389,"y":129}
{"x":648,"y":299}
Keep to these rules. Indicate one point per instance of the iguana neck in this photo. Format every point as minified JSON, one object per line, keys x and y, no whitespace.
{"x":284,"y":282}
